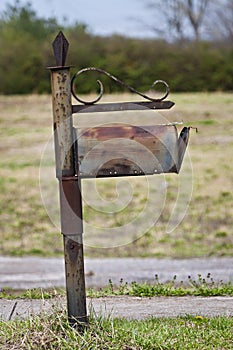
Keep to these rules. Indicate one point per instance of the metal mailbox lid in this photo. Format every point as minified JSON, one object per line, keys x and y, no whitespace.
{"x":123,"y":150}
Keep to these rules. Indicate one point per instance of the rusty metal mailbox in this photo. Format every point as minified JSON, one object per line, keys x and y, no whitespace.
{"x":125,"y":150}
{"x":106,"y":151}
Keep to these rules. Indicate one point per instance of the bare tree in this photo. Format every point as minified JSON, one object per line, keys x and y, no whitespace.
{"x":179,"y":16}
{"x":220,"y":23}
{"x":169,"y":19}
{"x":195,"y":12}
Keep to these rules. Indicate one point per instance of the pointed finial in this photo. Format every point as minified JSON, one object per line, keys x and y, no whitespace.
{"x":60,"y":49}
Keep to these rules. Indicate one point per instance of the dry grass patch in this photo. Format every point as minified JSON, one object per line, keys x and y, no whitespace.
{"x":26,"y":125}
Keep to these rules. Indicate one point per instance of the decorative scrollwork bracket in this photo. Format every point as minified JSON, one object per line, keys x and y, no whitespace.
{"x":119,"y":82}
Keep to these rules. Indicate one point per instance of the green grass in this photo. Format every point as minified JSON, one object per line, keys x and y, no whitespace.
{"x":202,"y":286}
{"x":205,"y":287}
{"x":35,"y":293}
{"x":190,"y":332}
{"x":206,"y":230}
{"x":54,"y":332}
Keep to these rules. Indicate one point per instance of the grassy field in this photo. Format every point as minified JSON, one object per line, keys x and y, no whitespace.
{"x":206,"y":177}
{"x":53,"y":332}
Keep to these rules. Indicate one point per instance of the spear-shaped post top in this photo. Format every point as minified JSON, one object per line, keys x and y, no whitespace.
{"x":60,"y":49}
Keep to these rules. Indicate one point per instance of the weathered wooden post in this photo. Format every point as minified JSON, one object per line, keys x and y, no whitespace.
{"x":69,"y":184}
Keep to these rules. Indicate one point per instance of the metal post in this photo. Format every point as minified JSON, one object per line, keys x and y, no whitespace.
{"x":69,"y":185}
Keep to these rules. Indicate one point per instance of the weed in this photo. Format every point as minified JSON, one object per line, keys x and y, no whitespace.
{"x":202,"y":286}
{"x":35,"y":293}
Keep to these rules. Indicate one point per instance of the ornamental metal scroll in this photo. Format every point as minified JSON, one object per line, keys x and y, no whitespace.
{"x":119,"y":82}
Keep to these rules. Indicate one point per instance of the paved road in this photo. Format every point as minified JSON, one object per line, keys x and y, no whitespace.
{"x":33,"y":272}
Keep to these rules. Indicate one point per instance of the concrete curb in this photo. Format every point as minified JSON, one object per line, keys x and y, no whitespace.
{"x":124,"y":307}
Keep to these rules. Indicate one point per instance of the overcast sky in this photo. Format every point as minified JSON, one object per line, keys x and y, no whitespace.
{"x":103,"y":17}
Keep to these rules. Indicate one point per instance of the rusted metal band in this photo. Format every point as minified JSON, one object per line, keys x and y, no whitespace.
{"x":68,"y":178}
{"x":59,"y":67}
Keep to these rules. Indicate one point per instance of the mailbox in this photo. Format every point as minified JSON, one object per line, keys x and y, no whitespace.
{"x":107,"y":151}
{"x":126,"y":150}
